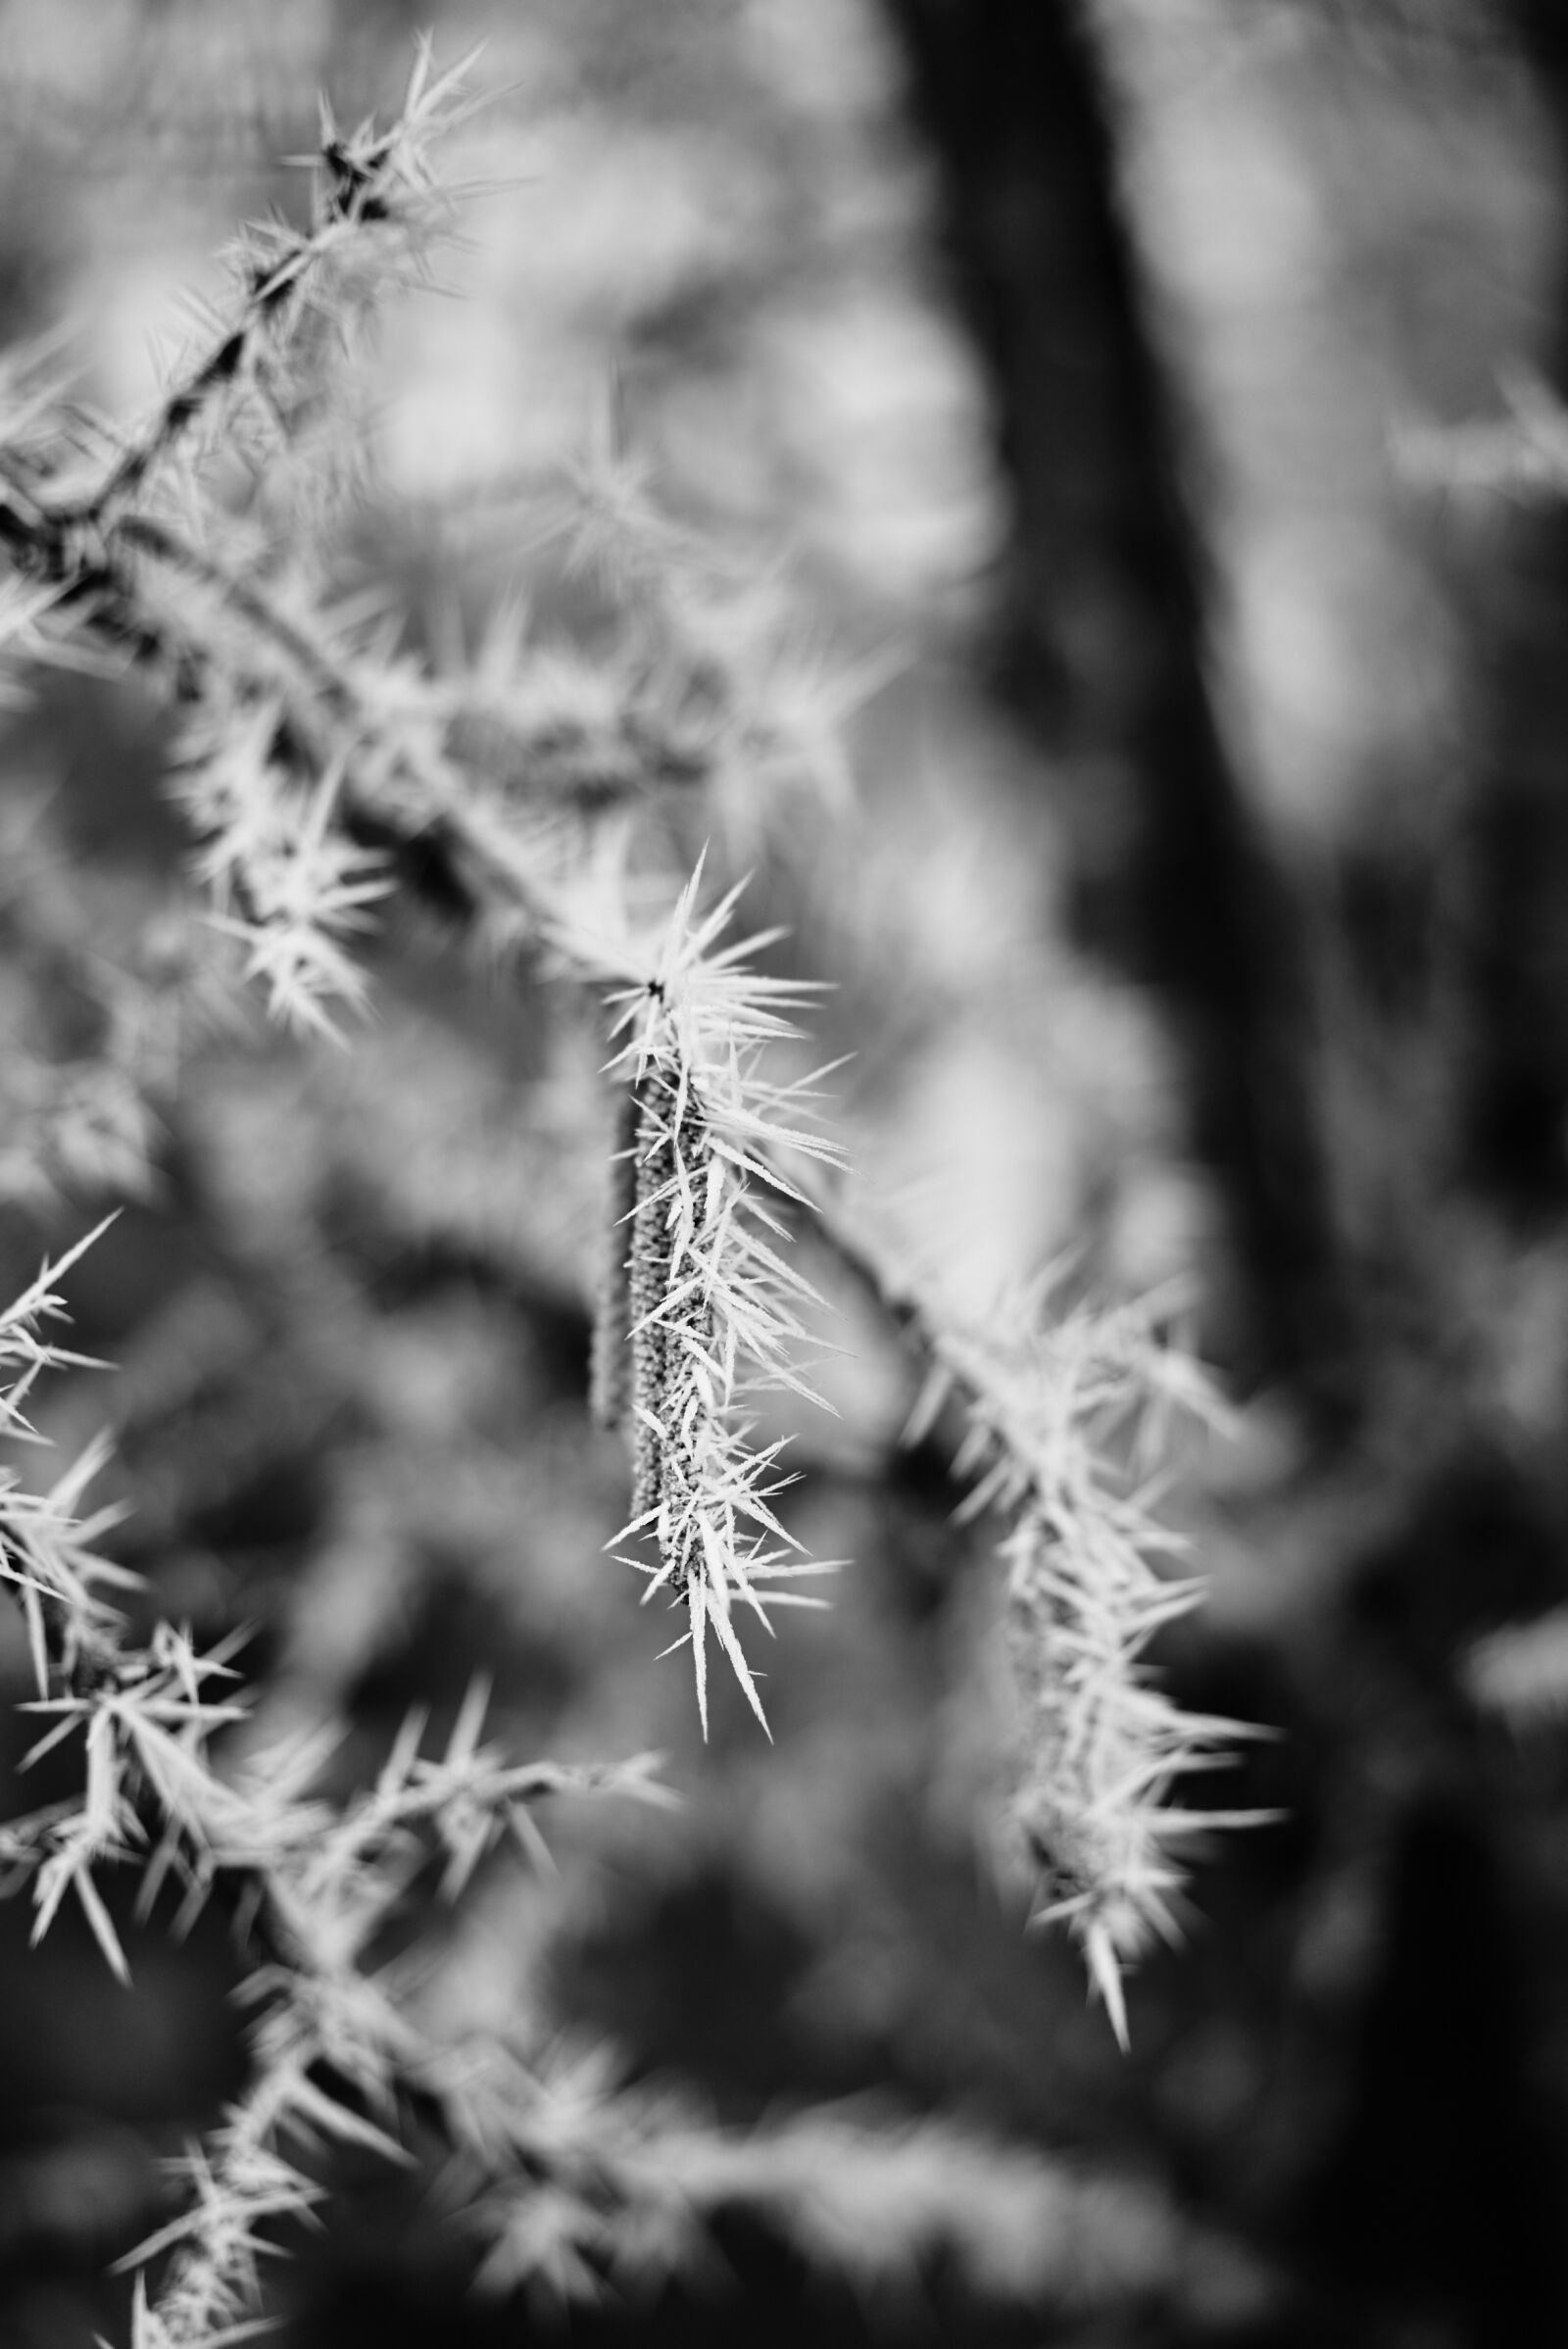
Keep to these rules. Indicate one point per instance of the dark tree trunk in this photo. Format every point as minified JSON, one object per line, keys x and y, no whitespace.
{"x":1102,"y":630}
{"x":1515,"y":1103}
{"x":1429,"y":2200}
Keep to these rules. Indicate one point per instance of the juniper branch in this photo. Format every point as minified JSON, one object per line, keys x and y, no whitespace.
{"x":369,"y":184}
{"x":303,"y":755}
{"x":317,"y":1879}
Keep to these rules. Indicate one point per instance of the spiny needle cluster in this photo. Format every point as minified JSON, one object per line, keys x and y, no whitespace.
{"x":313,"y":753}
{"x":562,"y":2178}
{"x":700,"y":1308}
{"x":319,"y":767}
{"x":373,"y":205}
{"x":1062,"y":1413}
{"x":317,"y":1880}
{"x":671,"y":1156}
{"x":123,"y":547}
{"x":309,"y":768}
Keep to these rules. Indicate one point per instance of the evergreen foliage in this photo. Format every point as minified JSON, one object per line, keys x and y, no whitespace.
{"x":327,"y":774}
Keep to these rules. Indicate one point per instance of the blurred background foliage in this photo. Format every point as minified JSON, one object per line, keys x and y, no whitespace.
{"x":1136,"y":428}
